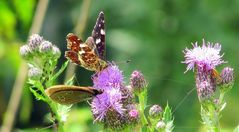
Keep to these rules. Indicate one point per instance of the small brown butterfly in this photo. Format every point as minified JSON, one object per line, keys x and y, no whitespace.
{"x":66,"y":95}
{"x":91,"y":53}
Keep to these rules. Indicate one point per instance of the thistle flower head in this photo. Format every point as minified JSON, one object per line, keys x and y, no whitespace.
{"x":155,"y":111}
{"x":25,"y":52}
{"x":56,"y":52}
{"x":34,"y":41}
{"x":208,"y":56}
{"x":160,"y":125}
{"x":108,"y":107}
{"x":46,"y":47}
{"x":227,"y":78}
{"x":108,"y":78}
{"x":34,"y":73}
{"x":137,"y":81}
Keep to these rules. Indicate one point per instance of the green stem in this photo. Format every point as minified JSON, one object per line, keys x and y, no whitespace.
{"x":142,"y":103}
{"x":211,"y":115}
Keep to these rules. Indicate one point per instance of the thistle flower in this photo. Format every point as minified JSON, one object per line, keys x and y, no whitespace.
{"x":137,"y":81}
{"x":45,"y":47}
{"x":207,"y":56}
{"x":204,"y":59}
{"x":227,"y":78}
{"x":34,"y":73}
{"x":34,"y":41}
{"x":108,"y":78}
{"x":25,"y":52}
{"x":109,"y":107}
{"x":155,"y":111}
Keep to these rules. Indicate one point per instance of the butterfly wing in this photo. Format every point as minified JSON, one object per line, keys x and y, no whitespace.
{"x":98,"y":35}
{"x":66,"y":95}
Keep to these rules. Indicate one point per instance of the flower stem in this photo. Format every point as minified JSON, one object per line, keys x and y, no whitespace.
{"x":142,"y":103}
{"x":210,"y":115}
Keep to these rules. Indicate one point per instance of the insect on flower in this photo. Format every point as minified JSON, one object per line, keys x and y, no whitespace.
{"x":91,"y":53}
{"x":66,"y":95}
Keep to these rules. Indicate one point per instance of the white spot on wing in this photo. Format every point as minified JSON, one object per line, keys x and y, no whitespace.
{"x":102,"y":31}
{"x":82,"y":51}
{"x":82,"y":45}
{"x":97,"y":41}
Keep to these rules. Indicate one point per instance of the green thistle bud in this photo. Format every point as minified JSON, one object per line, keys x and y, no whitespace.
{"x":155,"y":111}
{"x":25,"y":52}
{"x":34,"y":73}
{"x":160,"y":125}
{"x":137,"y":81}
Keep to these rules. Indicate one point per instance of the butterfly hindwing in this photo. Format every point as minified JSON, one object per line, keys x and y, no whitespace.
{"x":98,"y":35}
{"x":64,"y":94}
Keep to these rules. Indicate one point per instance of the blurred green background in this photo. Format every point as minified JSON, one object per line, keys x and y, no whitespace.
{"x":152,"y":34}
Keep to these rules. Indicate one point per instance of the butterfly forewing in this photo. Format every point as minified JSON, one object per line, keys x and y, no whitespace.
{"x":66,"y":95}
{"x":91,"y":53}
{"x":98,"y":35}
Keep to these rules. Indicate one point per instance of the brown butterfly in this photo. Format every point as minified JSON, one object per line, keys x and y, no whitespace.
{"x":66,"y":95}
{"x":91,"y":53}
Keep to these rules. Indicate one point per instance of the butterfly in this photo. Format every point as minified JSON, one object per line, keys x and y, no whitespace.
{"x":91,"y":53}
{"x":66,"y":95}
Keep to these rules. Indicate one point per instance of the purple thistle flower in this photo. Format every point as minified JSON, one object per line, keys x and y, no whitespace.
{"x":109,"y":107}
{"x":109,"y":100}
{"x":108,"y":78}
{"x":204,"y":59}
{"x":208,"y":56}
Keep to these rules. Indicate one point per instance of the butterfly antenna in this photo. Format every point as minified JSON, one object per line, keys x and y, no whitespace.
{"x":184,"y":98}
{"x":123,"y":62}
{"x":77,"y":82}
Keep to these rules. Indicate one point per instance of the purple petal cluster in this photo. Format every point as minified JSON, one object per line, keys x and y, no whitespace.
{"x":109,"y":80}
{"x":208,"y":56}
{"x":111,"y":107}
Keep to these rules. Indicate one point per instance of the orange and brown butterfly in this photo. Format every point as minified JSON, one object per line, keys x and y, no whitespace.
{"x":91,"y":53}
{"x":66,"y":95}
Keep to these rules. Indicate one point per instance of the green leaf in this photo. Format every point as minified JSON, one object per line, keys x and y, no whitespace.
{"x":37,"y":95}
{"x":63,"y":67}
{"x":167,"y":115}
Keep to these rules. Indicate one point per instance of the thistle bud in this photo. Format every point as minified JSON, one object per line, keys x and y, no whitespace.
{"x":132,"y":114}
{"x":227,"y":78}
{"x":160,"y":125}
{"x":34,"y":41}
{"x":155,"y":111}
{"x":34,"y":73}
{"x":137,"y":81}
{"x":56,"y":52}
{"x":46,"y":47}
{"x":25,"y":52}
